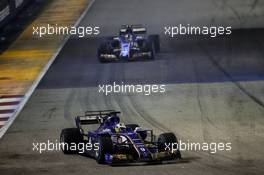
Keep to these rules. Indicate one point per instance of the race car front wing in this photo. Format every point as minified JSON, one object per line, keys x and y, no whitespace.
{"x":122,"y":158}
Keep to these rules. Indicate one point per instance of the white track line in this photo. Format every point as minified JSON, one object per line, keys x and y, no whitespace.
{"x":5,"y":115}
{"x":43,"y":72}
{"x":8,"y":107}
{"x":2,"y":123}
{"x":3,"y":100}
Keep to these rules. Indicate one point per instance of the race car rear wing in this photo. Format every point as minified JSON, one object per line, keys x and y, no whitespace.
{"x":137,"y":29}
{"x":100,"y":113}
{"x":94,"y":117}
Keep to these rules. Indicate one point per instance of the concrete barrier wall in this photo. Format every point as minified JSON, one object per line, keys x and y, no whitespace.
{"x":9,"y":9}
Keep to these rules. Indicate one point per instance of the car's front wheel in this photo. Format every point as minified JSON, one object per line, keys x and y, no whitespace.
{"x":69,"y":140}
{"x":165,"y":142}
{"x":103,"y":50}
{"x":149,"y":48}
{"x":105,"y":147}
{"x":156,"y":41}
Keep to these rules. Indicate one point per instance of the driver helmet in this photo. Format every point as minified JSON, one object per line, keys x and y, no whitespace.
{"x":113,"y":119}
{"x":120,"y":127}
{"x":143,"y":133}
{"x":129,"y":33}
{"x":129,"y":30}
{"x":128,"y":37}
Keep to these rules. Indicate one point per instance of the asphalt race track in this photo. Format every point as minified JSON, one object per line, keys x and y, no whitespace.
{"x":214,"y":90}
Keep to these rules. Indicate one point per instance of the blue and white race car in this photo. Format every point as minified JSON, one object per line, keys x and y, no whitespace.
{"x":115,"y":142}
{"x":131,"y":44}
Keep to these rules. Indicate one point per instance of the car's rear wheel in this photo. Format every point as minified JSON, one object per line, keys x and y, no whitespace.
{"x":70,"y":138}
{"x":165,"y":142}
{"x":105,"y":147}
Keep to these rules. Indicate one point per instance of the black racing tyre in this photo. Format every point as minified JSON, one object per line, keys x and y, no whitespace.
{"x":140,"y":43}
{"x":68,"y":137}
{"x":149,"y":47}
{"x":156,"y":41}
{"x":103,"y":49}
{"x":132,"y":126}
{"x":105,"y":146}
{"x":115,"y":44}
{"x":152,"y":55}
{"x":168,"y":139}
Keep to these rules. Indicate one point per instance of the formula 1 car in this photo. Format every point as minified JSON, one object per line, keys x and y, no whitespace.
{"x":114,"y":142}
{"x":131,"y":44}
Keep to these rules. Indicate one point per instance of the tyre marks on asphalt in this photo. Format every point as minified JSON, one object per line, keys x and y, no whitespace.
{"x":148,"y":118}
{"x":129,"y":105}
{"x":230,"y":77}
